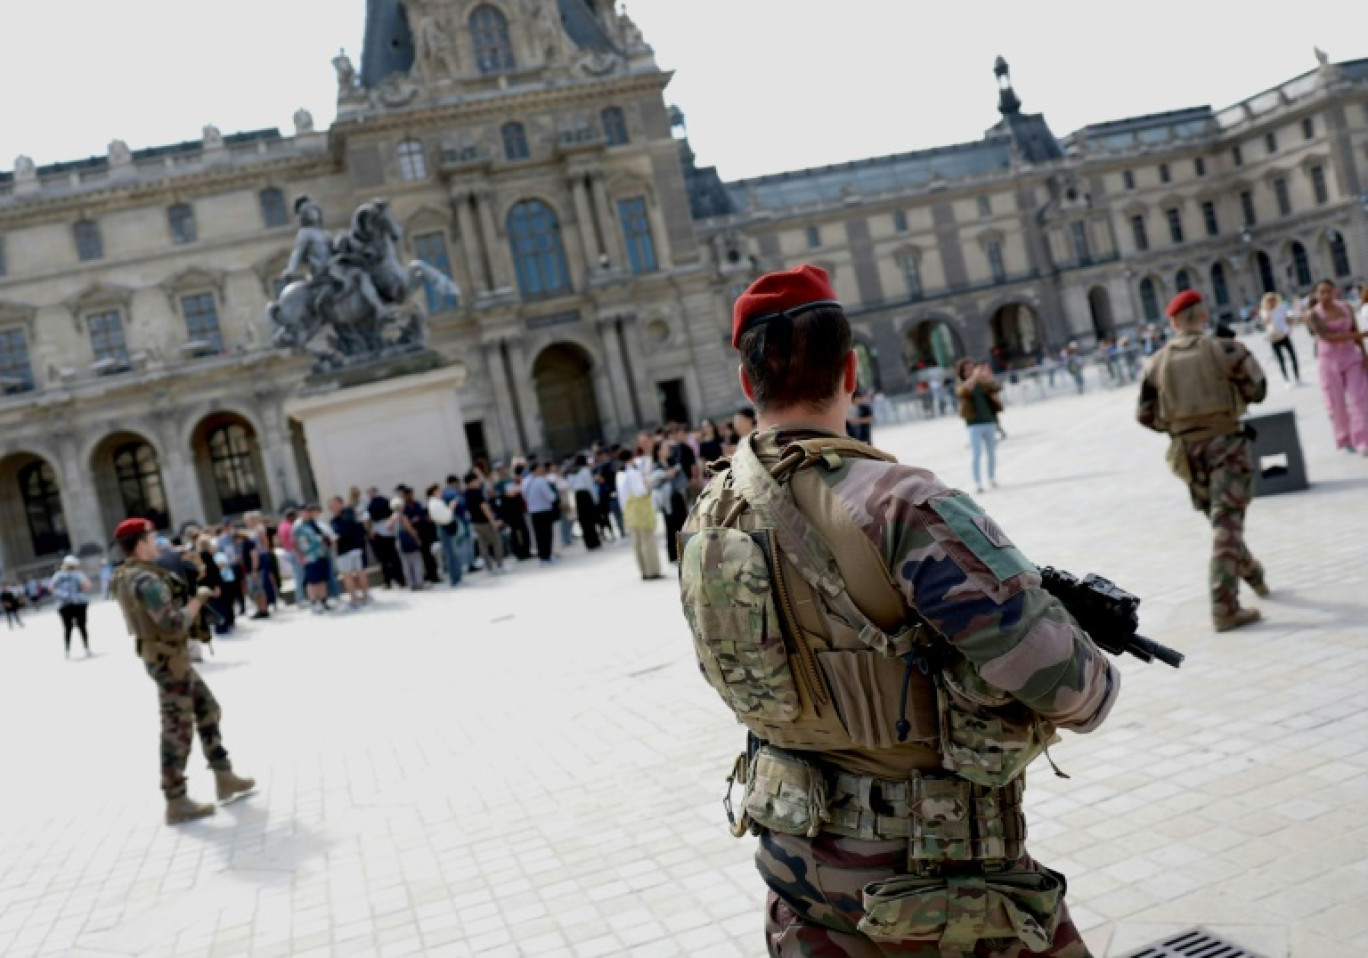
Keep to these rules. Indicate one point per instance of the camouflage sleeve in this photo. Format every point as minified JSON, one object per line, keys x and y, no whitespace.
{"x":1147,"y":409}
{"x":962,"y":573}
{"x":1246,"y":374}
{"x":156,"y":598}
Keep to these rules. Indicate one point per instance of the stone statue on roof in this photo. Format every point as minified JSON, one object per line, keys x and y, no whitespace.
{"x":303,"y":122}
{"x":436,"y":54}
{"x":1322,"y":57}
{"x":346,"y":73}
{"x":23,"y":166}
{"x":213,"y":139}
{"x":119,"y":153}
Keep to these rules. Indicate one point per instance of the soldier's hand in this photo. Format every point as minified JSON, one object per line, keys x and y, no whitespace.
{"x":204,"y":593}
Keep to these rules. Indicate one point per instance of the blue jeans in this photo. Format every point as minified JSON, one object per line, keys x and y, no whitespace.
{"x":297,"y":569}
{"x":567,"y":530}
{"x":984,"y":436}
{"x":451,"y":557}
{"x":334,"y":587}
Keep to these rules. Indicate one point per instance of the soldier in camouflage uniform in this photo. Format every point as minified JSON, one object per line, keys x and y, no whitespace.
{"x":1195,"y":389}
{"x":894,"y":658}
{"x":161,"y":626}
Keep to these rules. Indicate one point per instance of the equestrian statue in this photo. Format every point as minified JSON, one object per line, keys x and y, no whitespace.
{"x":356,"y":285}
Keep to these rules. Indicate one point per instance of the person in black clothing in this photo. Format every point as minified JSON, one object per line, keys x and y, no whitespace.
{"x":669,"y":481}
{"x":386,"y":551}
{"x":351,"y":551}
{"x":212,"y":578}
{"x":513,"y":511}
{"x":484,"y":523}
{"x":709,"y":443}
{"x":583,"y":485}
{"x":9,"y":600}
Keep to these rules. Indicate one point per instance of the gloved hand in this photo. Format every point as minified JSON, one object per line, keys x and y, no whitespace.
{"x":204,"y":593}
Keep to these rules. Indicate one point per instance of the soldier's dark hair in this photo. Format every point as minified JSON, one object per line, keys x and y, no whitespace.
{"x":127,"y":544}
{"x":797,"y":361}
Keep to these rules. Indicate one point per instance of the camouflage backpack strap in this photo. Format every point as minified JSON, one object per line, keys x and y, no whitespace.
{"x":807,"y":548}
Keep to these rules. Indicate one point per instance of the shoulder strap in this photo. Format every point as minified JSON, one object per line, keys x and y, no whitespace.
{"x":887,"y":629}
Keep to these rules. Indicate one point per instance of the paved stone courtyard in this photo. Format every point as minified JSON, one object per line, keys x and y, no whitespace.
{"x":532,"y":766}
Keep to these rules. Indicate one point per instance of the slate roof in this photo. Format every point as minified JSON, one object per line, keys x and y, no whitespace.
{"x":884,"y":174}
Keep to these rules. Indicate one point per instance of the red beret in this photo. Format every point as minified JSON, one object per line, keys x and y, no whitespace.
{"x":1188,"y":297}
{"x":776,"y":294}
{"x":133,"y":527}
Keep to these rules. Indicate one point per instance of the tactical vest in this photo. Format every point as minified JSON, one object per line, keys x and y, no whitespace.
{"x":152,"y":646}
{"x":1196,"y":396}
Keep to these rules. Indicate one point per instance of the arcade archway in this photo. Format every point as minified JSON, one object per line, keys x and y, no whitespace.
{"x":1099,"y":308}
{"x":1015,"y":332}
{"x":563,"y":376}
{"x":232,"y":476}
{"x":931,"y":343}
{"x":32,"y":520}
{"x":128,"y":480}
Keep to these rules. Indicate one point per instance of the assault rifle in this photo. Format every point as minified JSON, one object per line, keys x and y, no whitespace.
{"x":1108,"y":613}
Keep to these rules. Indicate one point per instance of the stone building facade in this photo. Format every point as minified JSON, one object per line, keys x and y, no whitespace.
{"x":527,"y":149}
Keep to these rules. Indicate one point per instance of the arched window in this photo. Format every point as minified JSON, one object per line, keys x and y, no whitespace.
{"x":181,"y":219}
{"x":1266,"y":278}
{"x":489,"y":33}
{"x":614,"y":126}
{"x":515,"y":141}
{"x":43,"y":506}
{"x":1182,"y":282}
{"x":1149,"y":299}
{"x":1339,"y":256}
{"x":1301,"y":266}
{"x":230,"y":458}
{"x":1219,"y":287}
{"x":140,"y":485}
{"x":534,"y":234}
{"x":412,"y":162}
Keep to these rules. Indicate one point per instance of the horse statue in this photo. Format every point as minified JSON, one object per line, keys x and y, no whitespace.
{"x":357,"y":286}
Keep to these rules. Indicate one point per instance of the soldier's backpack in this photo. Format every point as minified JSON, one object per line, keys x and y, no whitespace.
{"x":1195,"y":391}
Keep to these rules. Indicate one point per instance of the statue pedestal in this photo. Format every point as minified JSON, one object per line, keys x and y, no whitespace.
{"x":407,"y":430}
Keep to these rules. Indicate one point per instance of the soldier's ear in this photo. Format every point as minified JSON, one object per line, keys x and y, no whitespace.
{"x":747,"y":386}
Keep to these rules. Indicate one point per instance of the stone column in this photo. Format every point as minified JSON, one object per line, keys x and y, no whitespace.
{"x":520,"y":371}
{"x":579,"y":192}
{"x":495,"y":250}
{"x":634,"y":355}
{"x":608,"y":228}
{"x":80,"y":505}
{"x":619,"y":389}
{"x":470,"y":242}
{"x":278,"y":459}
{"x":183,"y":499}
{"x":509,"y":438}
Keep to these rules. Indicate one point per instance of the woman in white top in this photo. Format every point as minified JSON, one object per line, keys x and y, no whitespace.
{"x":634,"y":494}
{"x":1273,"y":316}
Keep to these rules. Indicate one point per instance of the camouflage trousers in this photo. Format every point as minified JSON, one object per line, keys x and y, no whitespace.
{"x":1222,"y":486}
{"x":187,"y":706}
{"x":815,"y":903}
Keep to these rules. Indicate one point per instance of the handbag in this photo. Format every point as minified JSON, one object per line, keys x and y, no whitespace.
{"x":639,"y":513}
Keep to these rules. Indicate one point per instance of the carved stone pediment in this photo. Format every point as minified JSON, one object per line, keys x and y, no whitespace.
{"x":97,"y":295}
{"x":195,"y":279}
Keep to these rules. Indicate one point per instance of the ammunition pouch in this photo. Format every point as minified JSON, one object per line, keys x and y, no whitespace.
{"x":961,"y":909}
{"x":986,"y":735}
{"x":945,"y":821}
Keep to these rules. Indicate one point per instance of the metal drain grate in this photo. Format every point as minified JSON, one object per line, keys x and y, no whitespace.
{"x":1192,"y":944}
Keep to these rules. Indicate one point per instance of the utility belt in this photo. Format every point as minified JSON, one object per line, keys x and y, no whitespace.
{"x":946,"y":820}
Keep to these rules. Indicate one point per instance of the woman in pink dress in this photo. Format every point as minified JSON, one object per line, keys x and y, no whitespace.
{"x":1343,"y":362}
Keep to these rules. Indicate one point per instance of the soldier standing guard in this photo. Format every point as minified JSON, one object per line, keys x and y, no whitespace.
{"x":1196,"y":389}
{"x":894,"y":657}
{"x":161,"y":626}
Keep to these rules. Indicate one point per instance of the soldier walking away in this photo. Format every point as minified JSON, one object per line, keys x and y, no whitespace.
{"x":71,"y":589}
{"x":161,"y":625}
{"x":1196,"y":389}
{"x":892,"y":654}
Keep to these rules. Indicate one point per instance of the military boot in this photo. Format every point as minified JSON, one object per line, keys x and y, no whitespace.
{"x":184,"y":809}
{"x":231,"y":786}
{"x":1260,"y":588}
{"x":1224,"y":623}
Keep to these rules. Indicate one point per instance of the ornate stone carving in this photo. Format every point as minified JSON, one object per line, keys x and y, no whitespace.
{"x":356,"y":285}
{"x":547,"y":31}
{"x":213,"y":138}
{"x":119,"y":153}
{"x":436,"y":52}
{"x":303,"y":122}
{"x":394,"y":91}
{"x":24,"y":168}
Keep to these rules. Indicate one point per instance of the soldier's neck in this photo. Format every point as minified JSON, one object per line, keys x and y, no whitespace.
{"x":830,"y":418}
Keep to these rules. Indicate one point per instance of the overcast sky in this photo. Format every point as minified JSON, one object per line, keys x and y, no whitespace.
{"x":767,"y":85}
